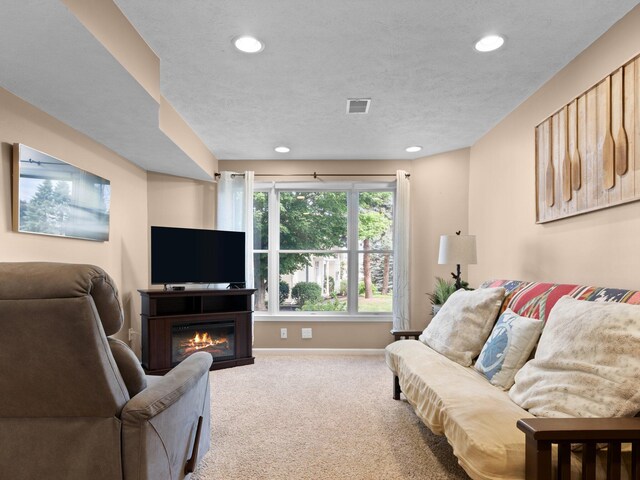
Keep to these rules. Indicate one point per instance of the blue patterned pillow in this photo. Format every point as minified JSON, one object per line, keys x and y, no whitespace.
{"x":508,"y":348}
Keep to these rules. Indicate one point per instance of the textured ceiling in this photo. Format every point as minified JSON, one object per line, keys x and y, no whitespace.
{"x":414,"y":59}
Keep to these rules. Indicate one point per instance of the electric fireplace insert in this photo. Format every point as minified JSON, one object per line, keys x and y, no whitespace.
{"x":218,"y":339}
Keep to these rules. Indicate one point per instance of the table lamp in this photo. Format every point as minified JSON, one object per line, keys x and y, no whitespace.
{"x":457,"y":249}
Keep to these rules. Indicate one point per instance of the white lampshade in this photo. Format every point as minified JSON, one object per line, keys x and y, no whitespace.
{"x":457,"y":249}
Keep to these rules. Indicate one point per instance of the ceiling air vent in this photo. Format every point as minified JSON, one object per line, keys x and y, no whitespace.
{"x":358,"y":105}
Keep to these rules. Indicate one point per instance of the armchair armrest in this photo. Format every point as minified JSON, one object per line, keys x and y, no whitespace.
{"x":407,"y":334}
{"x":163,"y":393}
{"x":541,"y":433}
{"x":165,"y":428}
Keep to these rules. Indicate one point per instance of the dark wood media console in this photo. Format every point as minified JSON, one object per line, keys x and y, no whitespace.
{"x":167,"y":314}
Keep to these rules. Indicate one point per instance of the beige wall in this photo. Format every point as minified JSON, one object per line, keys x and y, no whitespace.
{"x":180,"y":202}
{"x":599,"y":248}
{"x":439,"y":204}
{"x":124,"y":256}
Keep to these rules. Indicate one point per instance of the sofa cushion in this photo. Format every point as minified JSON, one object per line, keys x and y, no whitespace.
{"x":586,"y":363}
{"x":464,"y":322}
{"x":508,"y":348}
{"x":478,"y":419}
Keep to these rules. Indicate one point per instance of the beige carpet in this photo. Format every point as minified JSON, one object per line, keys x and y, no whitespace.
{"x":318,"y":417}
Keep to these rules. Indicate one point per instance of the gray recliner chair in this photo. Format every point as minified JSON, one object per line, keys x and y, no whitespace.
{"x":74,"y":403}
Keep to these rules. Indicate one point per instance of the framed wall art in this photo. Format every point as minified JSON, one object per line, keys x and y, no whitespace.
{"x":53,"y":197}
{"x":588,"y":151}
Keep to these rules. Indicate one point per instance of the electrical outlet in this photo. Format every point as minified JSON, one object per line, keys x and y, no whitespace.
{"x":283,"y":333}
{"x":307,"y":333}
{"x":132,"y":332}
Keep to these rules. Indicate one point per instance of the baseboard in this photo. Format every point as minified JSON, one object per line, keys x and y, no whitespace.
{"x":318,"y":351}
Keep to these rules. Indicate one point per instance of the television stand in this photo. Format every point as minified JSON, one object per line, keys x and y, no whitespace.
{"x":178,"y":323}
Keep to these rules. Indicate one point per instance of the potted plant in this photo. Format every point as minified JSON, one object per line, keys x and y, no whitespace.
{"x":442,"y":291}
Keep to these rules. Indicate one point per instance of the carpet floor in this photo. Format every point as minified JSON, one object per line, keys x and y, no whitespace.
{"x":302,"y":417}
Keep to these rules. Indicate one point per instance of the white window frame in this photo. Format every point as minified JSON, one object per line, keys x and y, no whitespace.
{"x":352,"y":189}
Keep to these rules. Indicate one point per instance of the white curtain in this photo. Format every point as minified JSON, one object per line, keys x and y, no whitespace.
{"x":235,"y":212}
{"x":401,"y":235}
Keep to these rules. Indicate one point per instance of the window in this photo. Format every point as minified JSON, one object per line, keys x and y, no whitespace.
{"x":324,"y":250}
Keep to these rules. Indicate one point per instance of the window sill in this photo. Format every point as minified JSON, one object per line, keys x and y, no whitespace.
{"x":320,"y":317}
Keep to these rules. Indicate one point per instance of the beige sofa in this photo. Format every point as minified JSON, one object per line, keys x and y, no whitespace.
{"x":478,"y":419}
{"x":492,"y":437}
{"x":74,"y":403}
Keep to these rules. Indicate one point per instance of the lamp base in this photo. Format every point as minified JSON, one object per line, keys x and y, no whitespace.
{"x":458,"y":277}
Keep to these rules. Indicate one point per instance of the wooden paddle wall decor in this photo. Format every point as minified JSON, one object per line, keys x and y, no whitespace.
{"x":588,"y":152}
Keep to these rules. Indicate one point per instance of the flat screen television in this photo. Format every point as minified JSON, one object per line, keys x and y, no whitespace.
{"x":190,"y":255}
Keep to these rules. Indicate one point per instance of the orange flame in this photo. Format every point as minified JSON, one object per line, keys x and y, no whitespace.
{"x":204,"y":340}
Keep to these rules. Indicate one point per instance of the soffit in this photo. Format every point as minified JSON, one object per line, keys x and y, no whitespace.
{"x":52,"y":61}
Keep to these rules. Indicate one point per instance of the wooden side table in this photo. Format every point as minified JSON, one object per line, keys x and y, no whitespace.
{"x":406,"y":334}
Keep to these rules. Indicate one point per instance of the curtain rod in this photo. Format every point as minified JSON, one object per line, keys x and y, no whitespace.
{"x":316,"y":175}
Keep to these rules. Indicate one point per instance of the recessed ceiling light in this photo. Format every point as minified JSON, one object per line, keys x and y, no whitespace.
{"x":413,"y":149}
{"x":282,"y":149}
{"x":248,"y":44}
{"x":300,"y":197}
{"x":489,"y":43}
